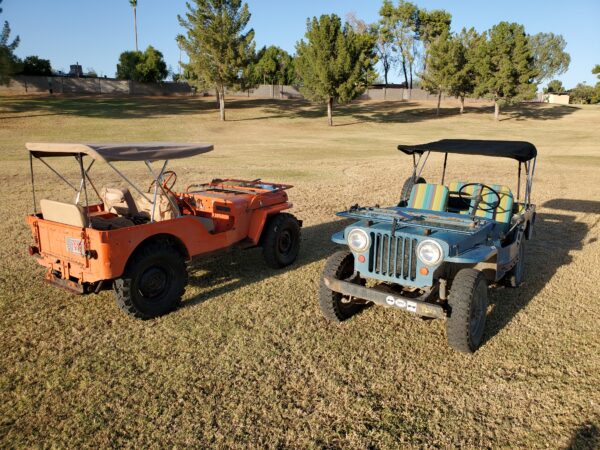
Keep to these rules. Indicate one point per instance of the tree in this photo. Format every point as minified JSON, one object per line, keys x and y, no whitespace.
{"x":596,"y":71}
{"x":33,"y":65}
{"x":217,"y":43}
{"x":384,"y":49}
{"x":582,"y":93}
{"x":554,"y":86}
{"x":430,"y":25}
{"x":152,"y":67}
{"x":146,"y":67}
{"x":504,"y":66}
{"x":8,"y":61}
{"x":333,"y":62}
{"x":549,"y":56}
{"x":463,"y":80}
{"x":402,"y":22}
{"x":444,"y":64}
{"x":274,"y":65}
{"x":133,"y":4}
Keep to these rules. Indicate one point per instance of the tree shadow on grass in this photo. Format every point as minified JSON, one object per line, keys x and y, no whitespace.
{"x":556,"y":234}
{"x":107,"y":107}
{"x":237,"y":269}
{"x":128,"y":107}
{"x":527,"y":111}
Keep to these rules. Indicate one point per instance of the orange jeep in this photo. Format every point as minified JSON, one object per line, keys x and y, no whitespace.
{"x":140,"y":247}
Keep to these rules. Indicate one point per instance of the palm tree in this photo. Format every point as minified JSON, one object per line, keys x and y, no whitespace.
{"x":133,"y":3}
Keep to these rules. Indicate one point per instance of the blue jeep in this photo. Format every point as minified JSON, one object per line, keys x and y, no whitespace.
{"x":434,"y":254}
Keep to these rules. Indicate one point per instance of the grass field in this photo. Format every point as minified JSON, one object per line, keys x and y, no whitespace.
{"x":248,"y":361}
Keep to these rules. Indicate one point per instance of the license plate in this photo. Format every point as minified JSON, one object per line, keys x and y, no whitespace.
{"x":75,"y":245}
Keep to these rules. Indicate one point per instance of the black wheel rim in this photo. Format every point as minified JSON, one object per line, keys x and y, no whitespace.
{"x":154,"y":282}
{"x":478,"y":312}
{"x":285,"y":242}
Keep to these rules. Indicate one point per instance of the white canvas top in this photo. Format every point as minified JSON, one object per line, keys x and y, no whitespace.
{"x":131,"y":151}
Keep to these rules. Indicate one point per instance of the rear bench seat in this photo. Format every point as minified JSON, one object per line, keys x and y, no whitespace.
{"x":74,"y":215}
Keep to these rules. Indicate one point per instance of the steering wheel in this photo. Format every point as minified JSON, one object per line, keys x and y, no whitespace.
{"x":489,"y":206}
{"x":168,"y":184}
{"x":171,"y":175}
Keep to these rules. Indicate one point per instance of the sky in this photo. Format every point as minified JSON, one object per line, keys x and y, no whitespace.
{"x":94,"y":33}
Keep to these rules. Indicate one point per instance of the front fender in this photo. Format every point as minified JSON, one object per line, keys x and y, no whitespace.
{"x":474,"y":255}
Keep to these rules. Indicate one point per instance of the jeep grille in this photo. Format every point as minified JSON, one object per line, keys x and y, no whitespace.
{"x":393,"y":256}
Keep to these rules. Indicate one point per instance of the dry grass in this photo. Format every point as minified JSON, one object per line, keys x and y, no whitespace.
{"x":249,"y":361}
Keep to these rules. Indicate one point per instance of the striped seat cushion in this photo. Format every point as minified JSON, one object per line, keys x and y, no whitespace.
{"x":432,"y":197}
{"x":501,"y":214}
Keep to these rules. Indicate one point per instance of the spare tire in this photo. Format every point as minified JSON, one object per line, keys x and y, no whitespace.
{"x":407,"y":189}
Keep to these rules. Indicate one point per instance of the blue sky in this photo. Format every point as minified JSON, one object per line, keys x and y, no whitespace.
{"x":94,"y":33}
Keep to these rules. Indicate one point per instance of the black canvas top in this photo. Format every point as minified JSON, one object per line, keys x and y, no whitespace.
{"x":520,"y":150}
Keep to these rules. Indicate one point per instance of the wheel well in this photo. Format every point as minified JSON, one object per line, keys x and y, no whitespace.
{"x":164,"y":237}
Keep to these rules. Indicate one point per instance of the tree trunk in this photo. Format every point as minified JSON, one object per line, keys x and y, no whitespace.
{"x":222,"y":105}
{"x":462,"y":104}
{"x":439,"y":101}
{"x":496,"y":110}
{"x":135,"y":27}
{"x":405,"y":73}
{"x":410,"y":71}
{"x":330,"y":111}
{"x":218,"y":96}
{"x":385,"y":85}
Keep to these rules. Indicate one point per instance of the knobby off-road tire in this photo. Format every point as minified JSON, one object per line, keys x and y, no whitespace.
{"x":468,"y":302}
{"x":407,"y":189}
{"x":281,"y":240}
{"x":514,"y":277}
{"x":340,"y":265}
{"x":153,"y":282}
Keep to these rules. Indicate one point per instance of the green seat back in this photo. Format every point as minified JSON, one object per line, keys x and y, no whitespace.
{"x":431,"y":197}
{"x":503,"y":211}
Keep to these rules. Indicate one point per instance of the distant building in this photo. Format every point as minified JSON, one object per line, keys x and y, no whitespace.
{"x":559,"y":99}
{"x":76,"y":70}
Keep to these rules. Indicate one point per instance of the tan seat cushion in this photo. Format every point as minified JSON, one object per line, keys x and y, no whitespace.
{"x":67,"y":213}
{"x":118,"y":201}
{"x":164,"y":209}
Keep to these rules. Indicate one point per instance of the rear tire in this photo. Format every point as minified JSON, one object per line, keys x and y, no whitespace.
{"x":407,"y":189}
{"x":468,"y":302}
{"x":153,"y":282}
{"x":281,"y":240}
{"x":514,"y":277}
{"x":340,"y":266}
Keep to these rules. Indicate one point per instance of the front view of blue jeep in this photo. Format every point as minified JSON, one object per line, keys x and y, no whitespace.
{"x":432,"y":255}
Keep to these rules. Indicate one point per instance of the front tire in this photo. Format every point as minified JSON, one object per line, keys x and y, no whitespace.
{"x":335,"y":306}
{"x":153,"y":282}
{"x":281,"y":240}
{"x":468,"y":302}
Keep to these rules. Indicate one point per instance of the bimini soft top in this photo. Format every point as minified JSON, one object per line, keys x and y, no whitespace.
{"x":132,"y":151}
{"x":520,"y":150}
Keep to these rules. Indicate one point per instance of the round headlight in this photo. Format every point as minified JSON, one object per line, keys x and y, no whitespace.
{"x":430,"y":252}
{"x":358,"y":240}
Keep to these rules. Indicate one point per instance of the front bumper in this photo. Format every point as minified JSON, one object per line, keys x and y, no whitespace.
{"x":412,"y":305}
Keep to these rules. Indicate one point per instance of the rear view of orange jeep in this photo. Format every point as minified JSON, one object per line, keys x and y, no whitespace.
{"x":137,"y":240}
